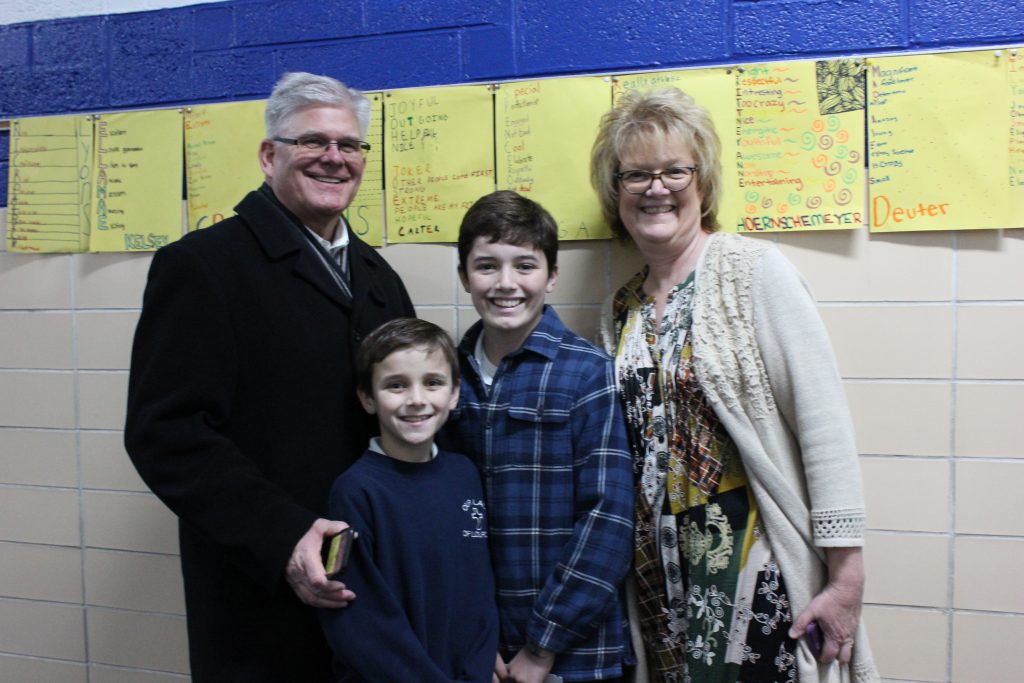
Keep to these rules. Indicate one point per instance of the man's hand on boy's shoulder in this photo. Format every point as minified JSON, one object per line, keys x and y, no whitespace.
{"x":305,"y":568}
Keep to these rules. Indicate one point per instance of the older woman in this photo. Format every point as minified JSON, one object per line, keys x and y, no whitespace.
{"x":749,"y":515}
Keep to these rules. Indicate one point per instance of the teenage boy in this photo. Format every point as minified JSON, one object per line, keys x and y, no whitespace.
{"x":420,"y":563}
{"x":540,"y":414}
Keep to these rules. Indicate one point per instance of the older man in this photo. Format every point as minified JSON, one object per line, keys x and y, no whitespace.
{"x":241,"y":403}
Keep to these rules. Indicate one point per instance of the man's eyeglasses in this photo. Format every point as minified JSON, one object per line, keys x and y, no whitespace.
{"x":315,"y":143}
{"x":675,"y":179}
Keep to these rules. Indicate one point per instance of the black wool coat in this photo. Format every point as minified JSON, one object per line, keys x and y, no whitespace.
{"x":241,"y":413}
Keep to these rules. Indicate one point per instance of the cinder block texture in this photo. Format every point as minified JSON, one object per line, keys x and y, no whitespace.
{"x":942,"y":21}
{"x":260,"y":23}
{"x":384,"y":61}
{"x":67,"y":42}
{"x":392,"y":17}
{"x":149,"y":58}
{"x":213,"y":27}
{"x":238,"y":48}
{"x":797,"y":27}
{"x":561,"y":36}
{"x":233,"y":74}
{"x":14,"y":46}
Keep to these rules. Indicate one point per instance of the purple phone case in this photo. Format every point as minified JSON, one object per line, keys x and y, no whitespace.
{"x":815,"y":639}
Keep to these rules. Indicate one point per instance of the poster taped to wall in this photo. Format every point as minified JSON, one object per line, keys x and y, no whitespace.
{"x":439,"y":145}
{"x":137,"y":204}
{"x":792,"y":140}
{"x":365,"y":215}
{"x":544,"y":131}
{"x":49,"y":185}
{"x":958,"y":166}
{"x":221,"y":158}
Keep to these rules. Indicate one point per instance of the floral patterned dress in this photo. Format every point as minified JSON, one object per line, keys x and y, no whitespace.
{"x":711,"y":599}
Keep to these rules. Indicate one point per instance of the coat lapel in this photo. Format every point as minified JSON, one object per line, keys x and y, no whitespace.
{"x":279,"y":237}
{"x":363,"y":274}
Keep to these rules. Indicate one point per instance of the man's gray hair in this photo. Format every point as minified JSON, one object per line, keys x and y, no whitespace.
{"x":298,"y":89}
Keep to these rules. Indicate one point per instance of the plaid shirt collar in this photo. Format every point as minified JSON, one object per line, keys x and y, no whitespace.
{"x":544,"y":340}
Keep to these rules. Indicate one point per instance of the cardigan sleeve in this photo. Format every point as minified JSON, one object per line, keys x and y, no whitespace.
{"x":808,"y":392}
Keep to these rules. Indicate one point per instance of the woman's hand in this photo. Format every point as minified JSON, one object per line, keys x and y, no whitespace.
{"x":837,"y":607}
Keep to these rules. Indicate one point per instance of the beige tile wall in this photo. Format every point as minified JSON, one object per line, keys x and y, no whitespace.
{"x":927,"y":331}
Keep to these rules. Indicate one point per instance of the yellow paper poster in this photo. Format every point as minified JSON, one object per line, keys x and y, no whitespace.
{"x":1015,"y":74}
{"x":545,"y":130}
{"x":799,"y":131}
{"x":50,"y":184}
{"x":656,"y":80}
{"x":439,"y":144}
{"x":138,"y":168}
{"x":940,"y":136}
{"x":222,"y":144}
{"x":713,"y":89}
{"x":365,"y":214}
{"x":792,"y":140}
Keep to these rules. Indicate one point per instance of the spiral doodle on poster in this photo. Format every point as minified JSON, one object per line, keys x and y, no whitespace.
{"x":795,"y":156}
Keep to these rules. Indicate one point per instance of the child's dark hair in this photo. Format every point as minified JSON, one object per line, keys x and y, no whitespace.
{"x":399,"y":334}
{"x":506,"y":216}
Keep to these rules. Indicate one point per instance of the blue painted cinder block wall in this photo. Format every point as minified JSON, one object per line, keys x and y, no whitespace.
{"x":236,"y":50}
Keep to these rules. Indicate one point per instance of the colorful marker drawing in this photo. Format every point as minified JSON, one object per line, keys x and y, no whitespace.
{"x":841,"y":86}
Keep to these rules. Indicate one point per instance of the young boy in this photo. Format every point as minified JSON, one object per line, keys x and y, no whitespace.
{"x":540,"y":414}
{"x":419,"y":566}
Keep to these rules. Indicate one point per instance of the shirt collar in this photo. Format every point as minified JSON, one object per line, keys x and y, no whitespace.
{"x":547,"y":336}
{"x":375,"y":447}
{"x":544,"y":340}
{"x":339,"y":242}
{"x":487,"y":369}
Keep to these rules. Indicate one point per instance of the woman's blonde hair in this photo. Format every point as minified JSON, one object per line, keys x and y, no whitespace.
{"x":654,"y":117}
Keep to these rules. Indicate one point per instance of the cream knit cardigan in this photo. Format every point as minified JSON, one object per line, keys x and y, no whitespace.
{"x":763,"y":358}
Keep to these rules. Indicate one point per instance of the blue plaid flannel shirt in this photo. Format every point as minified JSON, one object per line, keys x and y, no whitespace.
{"x":551,"y":443}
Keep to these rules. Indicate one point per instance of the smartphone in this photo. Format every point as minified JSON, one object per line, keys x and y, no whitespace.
{"x":335,"y":552}
{"x":815,"y":638}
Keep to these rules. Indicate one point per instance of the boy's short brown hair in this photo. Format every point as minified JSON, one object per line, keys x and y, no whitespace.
{"x":507,"y":216}
{"x":399,"y":334}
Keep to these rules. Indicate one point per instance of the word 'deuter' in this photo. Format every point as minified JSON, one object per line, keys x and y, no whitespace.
{"x":883,"y":211}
